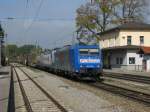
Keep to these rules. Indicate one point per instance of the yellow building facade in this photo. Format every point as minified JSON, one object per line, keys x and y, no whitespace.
{"x":119,"y":38}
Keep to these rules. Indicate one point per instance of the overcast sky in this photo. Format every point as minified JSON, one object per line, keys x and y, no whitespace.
{"x":53,"y":27}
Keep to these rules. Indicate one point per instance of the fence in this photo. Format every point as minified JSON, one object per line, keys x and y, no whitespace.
{"x":126,"y":67}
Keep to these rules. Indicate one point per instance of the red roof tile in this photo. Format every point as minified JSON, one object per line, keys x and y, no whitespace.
{"x":146,"y":50}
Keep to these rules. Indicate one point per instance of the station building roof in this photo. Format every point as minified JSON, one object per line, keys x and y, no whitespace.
{"x":128,"y":26}
{"x":145,"y":50}
{"x":121,"y":47}
{"x":141,"y":49}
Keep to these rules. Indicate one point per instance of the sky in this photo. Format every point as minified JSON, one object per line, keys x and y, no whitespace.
{"x":49,"y":23}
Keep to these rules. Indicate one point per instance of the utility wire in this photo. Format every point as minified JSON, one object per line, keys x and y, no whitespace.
{"x":24,"y":16}
{"x":34,"y":19}
{"x":36,"y":15}
{"x":25,"y":12}
{"x":41,"y":19}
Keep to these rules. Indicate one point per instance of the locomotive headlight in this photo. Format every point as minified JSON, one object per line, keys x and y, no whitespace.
{"x":76,"y":70}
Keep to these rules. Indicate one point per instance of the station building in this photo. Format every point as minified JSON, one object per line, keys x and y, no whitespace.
{"x":126,"y":47}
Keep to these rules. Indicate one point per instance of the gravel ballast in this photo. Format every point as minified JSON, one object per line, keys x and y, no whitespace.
{"x":82,"y":98}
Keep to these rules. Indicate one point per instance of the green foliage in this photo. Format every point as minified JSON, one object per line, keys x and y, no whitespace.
{"x":25,"y":49}
{"x":100,"y":15}
{"x":13,"y":52}
{"x":1,"y":32}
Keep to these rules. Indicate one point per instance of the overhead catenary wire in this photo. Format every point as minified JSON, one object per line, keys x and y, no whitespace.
{"x":25,"y":12}
{"x":34,"y":19}
{"x":41,"y":19}
{"x":36,"y":15}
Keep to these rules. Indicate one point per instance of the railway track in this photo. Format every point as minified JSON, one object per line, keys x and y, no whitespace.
{"x":131,"y":94}
{"x":135,"y":95}
{"x":35,"y":97}
{"x":129,"y":77}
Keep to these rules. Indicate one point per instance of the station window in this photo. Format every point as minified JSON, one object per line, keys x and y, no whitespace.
{"x":131,"y":60}
{"x":141,"y":39}
{"x":129,"y":40}
{"x":119,"y":61}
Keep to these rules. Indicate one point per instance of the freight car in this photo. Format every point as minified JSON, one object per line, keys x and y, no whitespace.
{"x":79,"y":61}
{"x":44,"y":61}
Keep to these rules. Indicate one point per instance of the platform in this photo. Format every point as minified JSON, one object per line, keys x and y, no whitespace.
{"x":4,"y":88}
{"x":127,"y":72}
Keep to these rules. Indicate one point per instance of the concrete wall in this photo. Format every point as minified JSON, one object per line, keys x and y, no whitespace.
{"x":147,"y":58}
{"x":133,"y":53}
{"x":138,"y":66}
{"x":114,"y":56}
{"x":148,"y":65}
{"x":119,"y":54}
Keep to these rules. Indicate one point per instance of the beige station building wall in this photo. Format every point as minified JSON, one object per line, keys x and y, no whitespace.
{"x":119,"y":38}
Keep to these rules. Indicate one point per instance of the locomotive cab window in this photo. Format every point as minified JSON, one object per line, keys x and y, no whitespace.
{"x":83,"y":51}
{"x":89,"y":51}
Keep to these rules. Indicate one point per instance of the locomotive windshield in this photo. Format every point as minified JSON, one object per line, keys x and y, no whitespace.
{"x":89,"y":51}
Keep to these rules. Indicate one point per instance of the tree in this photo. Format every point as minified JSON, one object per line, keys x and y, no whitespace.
{"x":26,"y":49}
{"x":130,"y":10}
{"x":85,"y":21}
{"x":11,"y":51}
{"x":100,"y":15}
{"x":1,"y":32}
{"x":22,"y":53}
{"x":95,"y":17}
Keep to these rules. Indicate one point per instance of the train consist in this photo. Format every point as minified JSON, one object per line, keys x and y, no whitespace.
{"x":78,"y":61}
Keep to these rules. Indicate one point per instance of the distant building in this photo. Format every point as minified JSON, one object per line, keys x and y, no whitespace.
{"x":121,"y":46}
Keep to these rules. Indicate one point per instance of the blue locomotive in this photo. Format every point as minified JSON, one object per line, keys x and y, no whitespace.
{"x":74,"y":61}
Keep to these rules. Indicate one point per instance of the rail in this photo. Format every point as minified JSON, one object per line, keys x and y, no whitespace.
{"x":63,"y":109}
{"x":129,"y":77}
{"x":134,"y":95}
{"x":25,"y":98}
{"x":138,"y":96}
{"x":11,"y":104}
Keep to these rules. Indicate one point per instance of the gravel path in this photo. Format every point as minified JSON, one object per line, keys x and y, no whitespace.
{"x":82,"y":98}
